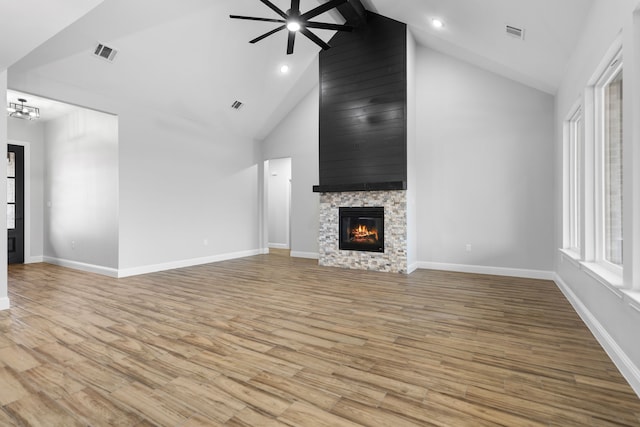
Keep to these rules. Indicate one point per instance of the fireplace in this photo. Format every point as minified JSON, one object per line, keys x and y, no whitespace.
{"x":340,"y":211}
{"x":361,"y":229}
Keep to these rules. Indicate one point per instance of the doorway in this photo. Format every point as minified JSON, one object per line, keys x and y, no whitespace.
{"x":279,"y":204}
{"x":15,"y":204}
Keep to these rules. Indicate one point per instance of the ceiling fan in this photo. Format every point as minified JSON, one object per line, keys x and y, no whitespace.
{"x":295,"y":21}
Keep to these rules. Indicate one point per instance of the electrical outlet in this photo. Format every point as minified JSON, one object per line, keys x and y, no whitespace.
{"x":468,"y":247}
{"x":73,"y":244}
{"x":205,"y":242}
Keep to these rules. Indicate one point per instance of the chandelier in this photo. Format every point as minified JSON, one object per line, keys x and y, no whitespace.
{"x":22,"y":111}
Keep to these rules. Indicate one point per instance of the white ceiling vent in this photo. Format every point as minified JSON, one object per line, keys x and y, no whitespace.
{"x":237,"y":105}
{"x":105,"y":52}
{"x":516,"y":32}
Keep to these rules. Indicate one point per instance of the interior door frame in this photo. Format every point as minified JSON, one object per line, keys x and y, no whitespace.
{"x":27,"y":198}
{"x":265,"y":203}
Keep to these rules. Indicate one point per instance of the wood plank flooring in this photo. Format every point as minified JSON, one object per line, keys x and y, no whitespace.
{"x":275,"y":341}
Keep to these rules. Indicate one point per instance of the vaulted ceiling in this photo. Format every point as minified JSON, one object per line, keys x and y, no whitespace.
{"x":24,"y":26}
{"x":188,"y":57}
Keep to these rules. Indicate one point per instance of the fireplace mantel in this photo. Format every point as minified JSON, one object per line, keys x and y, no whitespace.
{"x":371,"y":186}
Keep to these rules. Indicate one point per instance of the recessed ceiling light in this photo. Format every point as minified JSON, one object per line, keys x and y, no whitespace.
{"x":284,"y":69}
{"x":437,"y":23}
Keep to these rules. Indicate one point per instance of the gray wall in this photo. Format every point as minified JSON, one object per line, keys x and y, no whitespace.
{"x":412,"y":161}
{"x":485,"y":175}
{"x":81,"y":189}
{"x":482,"y":169}
{"x":279,"y":177}
{"x":31,"y":133}
{"x":297,"y":137}
{"x":612,"y":312}
{"x":4,"y":298}
{"x":188,"y":189}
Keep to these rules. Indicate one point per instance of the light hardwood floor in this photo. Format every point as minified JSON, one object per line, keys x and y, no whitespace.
{"x":276,"y":341}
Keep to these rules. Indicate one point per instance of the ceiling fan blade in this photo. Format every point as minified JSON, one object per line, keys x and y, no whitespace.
{"x":327,"y":26}
{"x":274,"y":8}
{"x":265,"y":35}
{"x":314,"y":38}
{"x":251,"y":18}
{"x":295,"y":5}
{"x":321,"y":9}
{"x":290,"y":42}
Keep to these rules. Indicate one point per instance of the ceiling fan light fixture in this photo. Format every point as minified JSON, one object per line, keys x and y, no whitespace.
{"x":293,"y":25}
{"x":294,"y":21}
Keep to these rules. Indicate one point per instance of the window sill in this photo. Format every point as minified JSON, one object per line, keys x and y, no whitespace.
{"x":571,"y":256}
{"x":634,"y":299}
{"x":612,"y":281}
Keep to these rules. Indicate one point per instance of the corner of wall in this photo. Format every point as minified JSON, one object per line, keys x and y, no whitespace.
{"x":412,"y":181}
{"x":629,"y":370}
{"x":4,"y":291}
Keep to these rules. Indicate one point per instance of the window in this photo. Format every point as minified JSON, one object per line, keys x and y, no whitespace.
{"x":573,"y":169}
{"x":592,"y":196}
{"x":609,"y":154}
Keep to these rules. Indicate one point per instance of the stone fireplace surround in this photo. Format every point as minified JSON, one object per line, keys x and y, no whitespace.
{"x":363,"y":137}
{"x":393,"y":259}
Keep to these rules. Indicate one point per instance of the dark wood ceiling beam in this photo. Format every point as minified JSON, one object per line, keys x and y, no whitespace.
{"x":353,"y":12}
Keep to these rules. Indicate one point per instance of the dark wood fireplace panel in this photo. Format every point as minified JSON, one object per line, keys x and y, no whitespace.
{"x":363,"y":103}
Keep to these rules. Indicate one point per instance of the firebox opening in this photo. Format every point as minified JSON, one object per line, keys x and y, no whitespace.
{"x":362,"y":229}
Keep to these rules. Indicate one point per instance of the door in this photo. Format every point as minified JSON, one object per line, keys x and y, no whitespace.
{"x":15,"y":203}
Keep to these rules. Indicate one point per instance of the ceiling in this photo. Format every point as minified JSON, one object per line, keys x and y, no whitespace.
{"x":474,"y":31}
{"x":189,"y":58}
{"x":22,"y":30}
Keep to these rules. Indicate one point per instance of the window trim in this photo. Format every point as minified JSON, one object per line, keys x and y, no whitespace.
{"x":613,"y":66}
{"x":574,"y":130}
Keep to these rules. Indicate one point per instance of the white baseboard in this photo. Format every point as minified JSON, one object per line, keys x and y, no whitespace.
{"x":480,"y":269}
{"x":4,"y":303}
{"x":34,"y":259}
{"x":91,"y":268}
{"x":263,"y":251}
{"x":134,"y":271}
{"x":278,"y":246}
{"x":412,"y":267}
{"x":625,"y":365}
{"x":308,"y":255}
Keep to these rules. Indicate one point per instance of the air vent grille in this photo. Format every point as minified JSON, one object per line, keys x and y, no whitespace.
{"x":105,"y":52}
{"x":515,"y":32}
{"x":237,"y":105}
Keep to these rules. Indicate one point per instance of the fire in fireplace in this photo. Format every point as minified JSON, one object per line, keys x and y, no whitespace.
{"x":362,"y":229}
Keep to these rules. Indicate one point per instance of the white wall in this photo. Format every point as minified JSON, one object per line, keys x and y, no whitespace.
{"x":31,"y":133}
{"x":188,"y":188}
{"x":4,"y":295}
{"x":487,"y":182}
{"x":297,"y":137}
{"x":278,"y":199}
{"x":188,"y":191}
{"x":81,"y":189}
{"x":412,"y":161}
{"x":485,"y":175}
{"x":612,"y":314}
